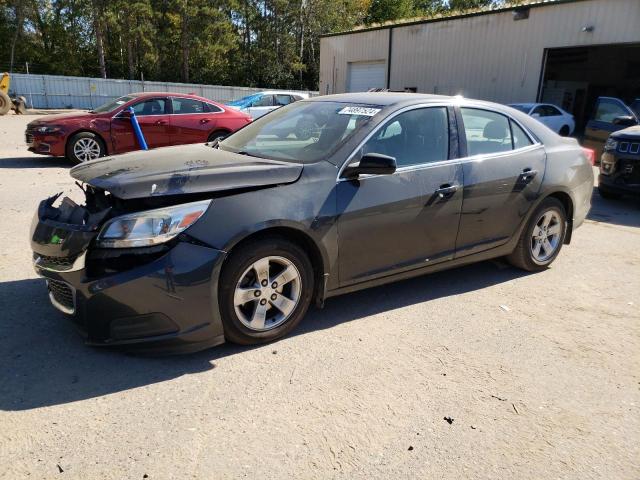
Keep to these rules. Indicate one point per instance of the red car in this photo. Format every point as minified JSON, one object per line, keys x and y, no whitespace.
{"x":165,"y":119}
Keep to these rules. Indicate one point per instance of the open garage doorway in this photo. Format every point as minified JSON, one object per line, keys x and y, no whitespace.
{"x":574,"y":77}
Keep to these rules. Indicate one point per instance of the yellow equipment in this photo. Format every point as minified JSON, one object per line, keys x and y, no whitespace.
{"x":18,"y":105}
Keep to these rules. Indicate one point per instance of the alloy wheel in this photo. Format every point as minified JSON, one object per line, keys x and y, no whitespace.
{"x":267,"y":293}
{"x":546,"y":236}
{"x":86,"y":149}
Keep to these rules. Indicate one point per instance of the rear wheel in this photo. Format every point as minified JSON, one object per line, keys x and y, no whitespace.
{"x":542,"y":239}
{"x":219,"y":135}
{"x":564,"y":131}
{"x":5,"y":103}
{"x":85,"y":146}
{"x":266,"y":287}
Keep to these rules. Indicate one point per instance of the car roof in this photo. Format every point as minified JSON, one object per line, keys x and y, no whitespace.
{"x":382,"y":98}
{"x":526,"y":105}
{"x":167,"y":94}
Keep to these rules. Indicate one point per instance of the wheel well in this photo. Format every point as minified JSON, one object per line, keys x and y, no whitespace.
{"x":100,"y":137}
{"x":219,"y":130}
{"x":301,"y":239}
{"x":567,"y":203}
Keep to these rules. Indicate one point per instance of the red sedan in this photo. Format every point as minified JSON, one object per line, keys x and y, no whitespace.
{"x":165,"y":119}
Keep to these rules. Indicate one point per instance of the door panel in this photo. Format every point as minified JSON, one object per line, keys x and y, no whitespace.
{"x":190,"y":123}
{"x":153,"y":121}
{"x":391,"y":223}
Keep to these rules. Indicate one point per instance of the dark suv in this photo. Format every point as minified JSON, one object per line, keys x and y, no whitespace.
{"x":620,"y":164}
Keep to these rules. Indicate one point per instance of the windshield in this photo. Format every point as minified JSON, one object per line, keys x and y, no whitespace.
{"x":113,"y":104}
{"x":301,"y":132}
{"x":635,"y":106}
{"x":524,"y":108}
{"x":244,"y":101}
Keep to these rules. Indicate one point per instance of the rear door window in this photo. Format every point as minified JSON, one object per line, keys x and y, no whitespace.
{"x":264,"y":101}
{"x":210,"y":108}
{"x":282,"y":100}
{"x":183,"y":106}
{"x":486,"y":132}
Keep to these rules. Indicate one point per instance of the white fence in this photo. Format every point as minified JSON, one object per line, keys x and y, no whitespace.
{"x":56,"y":91}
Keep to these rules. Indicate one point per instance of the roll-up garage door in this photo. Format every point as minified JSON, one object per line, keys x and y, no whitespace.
{"x":362,"y":76}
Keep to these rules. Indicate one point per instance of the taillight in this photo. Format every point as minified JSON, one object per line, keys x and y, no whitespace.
{"x":591,"y":155}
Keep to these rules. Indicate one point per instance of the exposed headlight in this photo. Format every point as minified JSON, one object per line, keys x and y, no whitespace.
{"x":150,"y":227}
{"x":611,"y":144}
{"x":49,"y":129}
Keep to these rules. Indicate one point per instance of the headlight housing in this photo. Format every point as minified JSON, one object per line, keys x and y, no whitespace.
{"x":151,"y":227}
{"x":49,"y":129}
{"x":611,"y":144}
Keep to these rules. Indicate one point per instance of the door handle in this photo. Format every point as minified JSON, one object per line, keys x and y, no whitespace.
{"x":447,"y":190}
{"x":527,"y":175}
{"x":205,"y":120}
{"x":161,"y":122}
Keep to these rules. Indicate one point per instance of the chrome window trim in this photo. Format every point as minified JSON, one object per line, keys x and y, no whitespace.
{"x":535,"y":143}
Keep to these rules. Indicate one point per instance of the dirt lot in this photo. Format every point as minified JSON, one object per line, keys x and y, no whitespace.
{"x":540,"y":373}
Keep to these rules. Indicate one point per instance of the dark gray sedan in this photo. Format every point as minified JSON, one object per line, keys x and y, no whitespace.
{"x":183,"y":247}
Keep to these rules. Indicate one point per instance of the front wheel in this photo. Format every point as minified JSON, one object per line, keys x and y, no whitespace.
{"x":266,"y":287}
{"x":564,"y":131}
{"x":85,"y":146}
{"x":542,"y":239}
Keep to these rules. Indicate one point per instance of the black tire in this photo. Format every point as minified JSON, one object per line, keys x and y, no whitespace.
{"x":522,"y":256}
{"x":607,"y":195}
{"x":219,"y":135}
{"x":80,"y":137}
{"x":564,"y":131}
{"x":240,"y":259}
{"x":5,"y":103}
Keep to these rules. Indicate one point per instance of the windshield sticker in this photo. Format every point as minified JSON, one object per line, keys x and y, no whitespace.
{"x":367,"y":112}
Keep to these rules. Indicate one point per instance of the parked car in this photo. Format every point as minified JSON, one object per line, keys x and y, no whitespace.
{"x":609,"y":115}
{"x":558,"y":120}
{"x":235,"y":240}
{"x":165,"y":119}
{"x":620,"y":164}
{"x":260,"y":103}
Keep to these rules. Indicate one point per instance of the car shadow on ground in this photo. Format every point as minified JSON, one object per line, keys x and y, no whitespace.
{"x":625,"y":211}
{"x":43,"y":361}
{"x":35,"y":162}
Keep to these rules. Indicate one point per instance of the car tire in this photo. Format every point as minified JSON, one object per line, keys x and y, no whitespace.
{"x":548,"y":222}
{"x":5,"y":103}
{"x":607,"y":195}
{"x":565,"y":131}
{"x":85,"y":146}
{"x":219,"y":135}
{"x":250,"y":317}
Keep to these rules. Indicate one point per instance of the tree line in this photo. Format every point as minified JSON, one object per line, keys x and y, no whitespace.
{"x":256,"y":43}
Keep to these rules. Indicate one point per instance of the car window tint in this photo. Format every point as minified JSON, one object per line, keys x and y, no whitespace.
{"x":152,"y":106}
{"x":486,"y":132}
{"x":413,"y":137}
{"x":282,"y":100}
{"x":607,"y":110}
{"x":182,"y":106}
{"x":520,"y":138}
{"x":211,"y":108}
{"x":264,"y":101}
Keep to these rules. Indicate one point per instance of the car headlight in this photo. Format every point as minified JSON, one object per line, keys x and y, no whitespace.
{"x":150,"y":227}
{"x":611,"y":144}
{"x":49,"y":129}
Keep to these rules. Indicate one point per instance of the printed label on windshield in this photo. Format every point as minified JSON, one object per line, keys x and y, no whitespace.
{"x":366,"y":111}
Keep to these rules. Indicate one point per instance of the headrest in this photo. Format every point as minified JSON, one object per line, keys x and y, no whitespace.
{"x":495,"y":130}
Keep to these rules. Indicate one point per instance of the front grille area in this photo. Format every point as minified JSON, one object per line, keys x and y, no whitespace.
{"x":629,"y":147}
{"x":28,"y":138}
{"x":63,"y":295}
{"x":54,"y":263}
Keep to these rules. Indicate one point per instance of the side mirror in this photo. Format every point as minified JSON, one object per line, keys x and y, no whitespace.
{"x":372,"y":164}
{"x":625,"y":121}
{"x":535,"y":115}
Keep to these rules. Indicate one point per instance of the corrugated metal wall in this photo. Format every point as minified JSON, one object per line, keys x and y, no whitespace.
{"x":52,"y":91}
{"x":490,"y":57}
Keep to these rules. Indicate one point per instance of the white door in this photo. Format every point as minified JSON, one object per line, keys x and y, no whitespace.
{"x":362,"y":76}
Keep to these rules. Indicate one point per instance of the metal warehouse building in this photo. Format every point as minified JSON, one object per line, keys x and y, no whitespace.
{"x":566,"y":52}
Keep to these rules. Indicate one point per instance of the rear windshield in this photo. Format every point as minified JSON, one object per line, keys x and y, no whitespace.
{"x":305,"y":131}
{"x":112,"y":105}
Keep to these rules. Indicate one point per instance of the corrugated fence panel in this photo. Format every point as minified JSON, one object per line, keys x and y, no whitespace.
{"x":55,"y":91}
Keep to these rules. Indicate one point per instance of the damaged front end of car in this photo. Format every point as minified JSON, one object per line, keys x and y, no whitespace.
{"x":125,"y":271}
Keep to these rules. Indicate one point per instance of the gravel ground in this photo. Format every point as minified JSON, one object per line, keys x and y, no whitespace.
{"x":539,"y":374}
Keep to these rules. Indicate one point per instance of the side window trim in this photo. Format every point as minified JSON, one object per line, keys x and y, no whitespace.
{"x":464,"y":153}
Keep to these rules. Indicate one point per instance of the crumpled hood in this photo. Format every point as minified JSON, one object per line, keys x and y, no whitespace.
{"x":182,"y":169}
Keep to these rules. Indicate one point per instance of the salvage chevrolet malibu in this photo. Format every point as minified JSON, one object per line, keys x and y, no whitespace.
{"x":183,"y":247}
